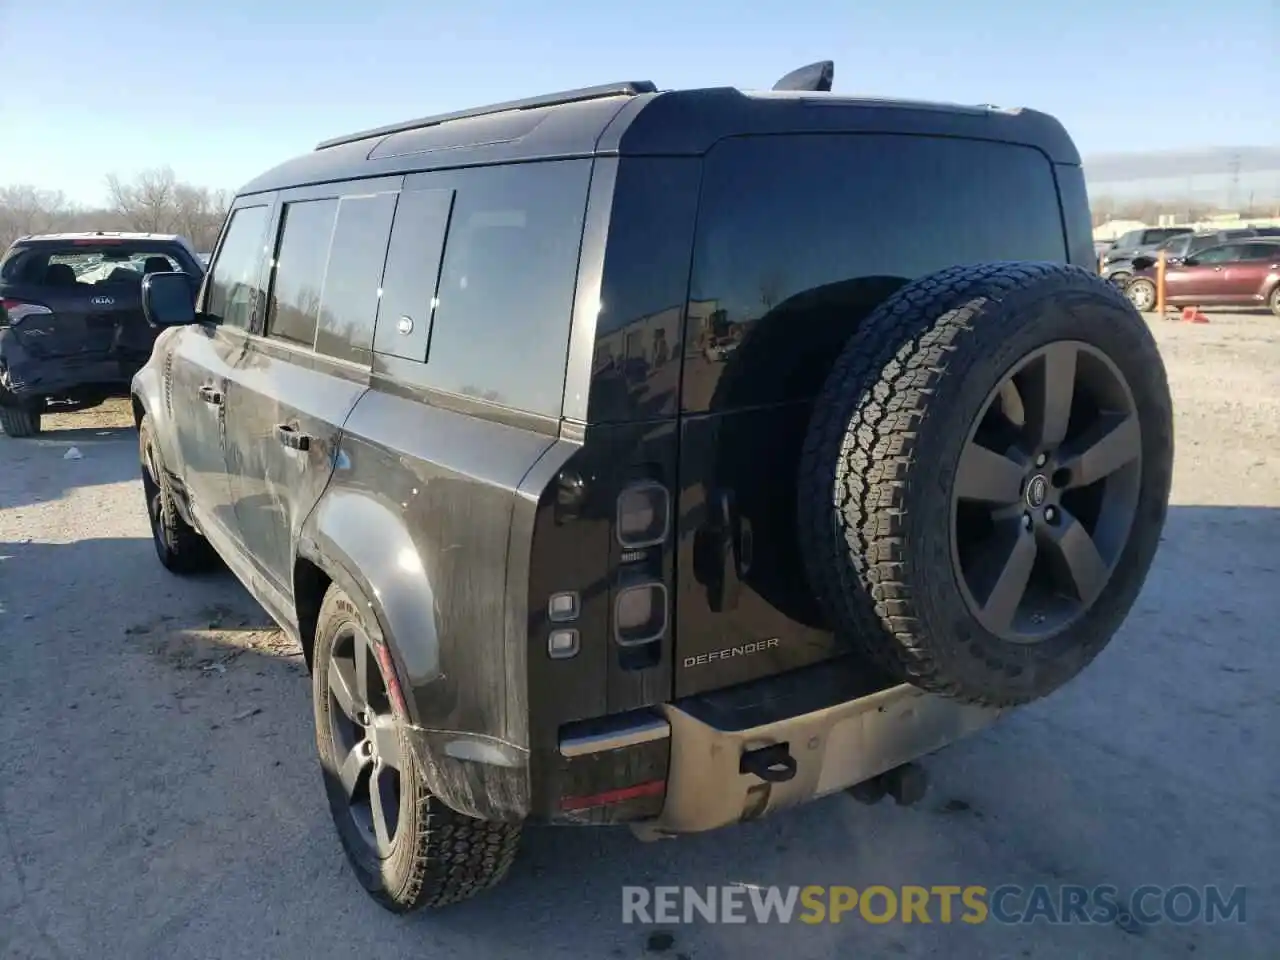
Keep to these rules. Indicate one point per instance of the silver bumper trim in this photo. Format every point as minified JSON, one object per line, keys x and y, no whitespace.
{"x":834,"y":748}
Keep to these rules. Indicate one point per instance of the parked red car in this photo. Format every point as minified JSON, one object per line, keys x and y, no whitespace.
{"x":1240,"y":273}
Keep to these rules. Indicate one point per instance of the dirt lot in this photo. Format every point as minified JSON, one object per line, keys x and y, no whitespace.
{"x":159,"y":797}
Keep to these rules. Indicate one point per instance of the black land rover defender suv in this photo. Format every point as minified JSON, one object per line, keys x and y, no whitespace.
{"x":657,"y":458}
{"x":72,"y":332}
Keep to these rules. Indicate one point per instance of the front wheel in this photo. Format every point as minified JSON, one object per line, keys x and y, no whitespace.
{"x":179,"y":546}
{"x":1274,"y":301}
{"x":1142,"y":294}
{"x":407,"y":848}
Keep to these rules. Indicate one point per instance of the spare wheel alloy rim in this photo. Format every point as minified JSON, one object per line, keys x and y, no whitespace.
{"x":1045,"y":492}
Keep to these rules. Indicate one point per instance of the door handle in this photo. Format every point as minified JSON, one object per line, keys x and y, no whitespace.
{"x":289,"y":436}
{"x":211,"y":396}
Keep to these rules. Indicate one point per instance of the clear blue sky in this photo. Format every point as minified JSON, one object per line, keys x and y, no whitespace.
{"x":221,"y":90}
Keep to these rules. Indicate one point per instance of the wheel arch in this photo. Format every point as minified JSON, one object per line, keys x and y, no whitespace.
{"x":352,"y":539}
{"x":146,"y":399}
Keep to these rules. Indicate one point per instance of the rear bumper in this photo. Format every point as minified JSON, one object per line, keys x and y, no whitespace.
{"x":25,"y":377}
{"x":832,"y":749}
{"x":832,"y":728}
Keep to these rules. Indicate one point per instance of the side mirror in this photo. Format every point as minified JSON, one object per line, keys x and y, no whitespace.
{"x":1190,"y":262}
{"x":1143,"y":261}
{"x":168,"y":299}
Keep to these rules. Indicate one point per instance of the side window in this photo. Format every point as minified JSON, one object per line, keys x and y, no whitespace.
{"x":306,"y":230}
{"x":1261,"y":251}
{"x":1178,"y":246}
{"x":233,"y":281}
{"x":505,"y":298}
{"x":1223,"y":254}
{"x":349,"y":298}
{"x":412,"y":270}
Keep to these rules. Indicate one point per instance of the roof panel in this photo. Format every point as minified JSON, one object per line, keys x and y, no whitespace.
{"x":686,"y":122}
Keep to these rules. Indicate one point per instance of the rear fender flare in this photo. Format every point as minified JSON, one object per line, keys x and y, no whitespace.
{"x":146,"y":394}
{"x":362,"y":544}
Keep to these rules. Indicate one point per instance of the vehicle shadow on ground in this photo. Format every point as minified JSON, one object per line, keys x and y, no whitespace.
{"x":1105,"y":782}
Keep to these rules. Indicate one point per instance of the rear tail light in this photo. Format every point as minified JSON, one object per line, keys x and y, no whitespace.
{"x":644,"y":515}
{"x":19,"y":310}
{"x":640,"y":614}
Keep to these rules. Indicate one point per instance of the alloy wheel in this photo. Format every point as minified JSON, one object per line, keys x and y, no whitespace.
{"x":1141,"y":294}
{"x":366,"y":740}
{"x":1045,"y":492}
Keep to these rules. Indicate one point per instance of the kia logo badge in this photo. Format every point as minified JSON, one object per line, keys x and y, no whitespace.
{"x":102,"y":301}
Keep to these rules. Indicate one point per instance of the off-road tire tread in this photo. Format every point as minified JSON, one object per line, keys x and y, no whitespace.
{"x":457,"y":857}
{"x":19,"y":422}
{"x":865,"y":423}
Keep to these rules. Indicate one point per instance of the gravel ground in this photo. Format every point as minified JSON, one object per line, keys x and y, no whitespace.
{"x":159,"y":797}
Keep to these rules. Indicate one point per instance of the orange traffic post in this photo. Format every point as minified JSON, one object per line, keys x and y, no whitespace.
{"x":1160,"y":284}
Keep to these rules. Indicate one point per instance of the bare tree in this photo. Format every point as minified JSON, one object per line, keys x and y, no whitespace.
{"x":156,"y":201}
{"x":25,"y":209}
{"x":148,"y":204}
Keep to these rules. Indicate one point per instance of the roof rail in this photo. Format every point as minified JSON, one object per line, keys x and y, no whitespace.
{"x":621,"y":88}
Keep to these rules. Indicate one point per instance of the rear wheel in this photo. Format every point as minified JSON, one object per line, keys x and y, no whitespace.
{"x":1274,"y":301}
{"x":407,"y":848}
{"x":180,"y":548}
{"x":19,"y":422}
{"x":985,"y":479}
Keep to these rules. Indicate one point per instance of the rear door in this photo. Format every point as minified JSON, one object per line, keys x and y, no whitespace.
{"x":299,"y":376}
{"x":791,"y":252}
{"x":1246,"y":278}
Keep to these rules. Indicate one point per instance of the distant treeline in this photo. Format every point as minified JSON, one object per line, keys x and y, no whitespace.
{"x":155,"y":202}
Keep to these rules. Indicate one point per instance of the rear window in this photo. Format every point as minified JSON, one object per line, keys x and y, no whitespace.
{"x":87,"y":265}
{"x":1159,"y":236}
{"x":813,"y":232}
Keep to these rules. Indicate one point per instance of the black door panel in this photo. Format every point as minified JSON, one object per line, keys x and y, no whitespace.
{"x":744,"y":608}
{"x":285,"y":408}
{"x":199,"y":363}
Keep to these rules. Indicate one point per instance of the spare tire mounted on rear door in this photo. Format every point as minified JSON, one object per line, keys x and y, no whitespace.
{"x":985,"y":478}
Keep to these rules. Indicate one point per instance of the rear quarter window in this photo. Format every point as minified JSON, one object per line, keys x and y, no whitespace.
{"x":800,"y":237}
{"x":504,"y":302}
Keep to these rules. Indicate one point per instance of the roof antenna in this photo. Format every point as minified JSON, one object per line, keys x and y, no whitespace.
{"x":815,"y":76}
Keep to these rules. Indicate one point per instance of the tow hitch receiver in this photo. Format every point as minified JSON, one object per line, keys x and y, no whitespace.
{"x":907,"y":784}
{"x":772,"y":764}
